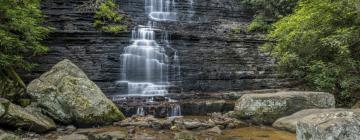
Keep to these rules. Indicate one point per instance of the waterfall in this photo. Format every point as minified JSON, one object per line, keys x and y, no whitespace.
{"x":149,"y":63}
{"x":175,"y":110}
{"x":140,"y":111}
{"x":145,"y":64}
{"x":161,"y":10}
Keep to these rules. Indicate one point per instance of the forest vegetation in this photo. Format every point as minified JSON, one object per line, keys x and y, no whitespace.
{"x":314,"y":41}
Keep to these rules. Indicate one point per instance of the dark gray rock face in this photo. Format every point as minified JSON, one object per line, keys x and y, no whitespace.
{"x":212,"y":57}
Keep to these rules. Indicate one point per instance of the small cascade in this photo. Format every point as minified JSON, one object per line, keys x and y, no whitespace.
{"x":175,"y":110}
{"x":176,"y":67}
{"x":145,"y":64}
{"x":140,"y":111}
{"x":150,"y":66}
{"x":161,"y":10}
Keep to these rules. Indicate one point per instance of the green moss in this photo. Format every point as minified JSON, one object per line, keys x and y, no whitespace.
{"x":24,"y":102}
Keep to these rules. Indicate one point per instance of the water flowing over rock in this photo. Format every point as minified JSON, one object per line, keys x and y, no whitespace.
{"x":66,"y":94}
{"x":330,"y":125}
{"x":24,"y":118}
{"x":145,"y":64}
{"x":212,"y":57}
{"x":161,"y":10}
{"x":266,"y":108}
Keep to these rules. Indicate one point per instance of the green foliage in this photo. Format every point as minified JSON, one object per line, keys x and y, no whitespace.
{"x":320,"y":44}
{"x":108,"y":19}
{"x":259,"y":24}
{"x":271,"y":8}
{"x":268,"y":11}
{"x":21,"y":34}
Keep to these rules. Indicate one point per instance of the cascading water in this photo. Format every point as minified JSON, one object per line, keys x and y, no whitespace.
{"x":146,"y":66}
{"x":140,"y":111}
{"x":175,"y":110}
{"x":161,"y":10}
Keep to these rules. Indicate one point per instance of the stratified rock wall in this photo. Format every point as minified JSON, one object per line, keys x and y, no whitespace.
{"x":212,"y":57}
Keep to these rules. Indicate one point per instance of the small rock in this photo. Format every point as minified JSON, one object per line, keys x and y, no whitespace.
{"x":184,"y":135}
{"x":73,"y":137}
{"x":214,"y":130}
{"x":113,"y":135}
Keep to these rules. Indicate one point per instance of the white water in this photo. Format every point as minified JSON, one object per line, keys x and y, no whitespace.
{"x":161,"y":10}
{"x":175,"y":110}
{"x":140,"y":111}
{"x":145,"y":64}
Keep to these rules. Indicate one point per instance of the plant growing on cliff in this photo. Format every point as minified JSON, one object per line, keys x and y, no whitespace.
{"x":320,"y":45}
{"x":267,"y":12}
{"x":108,"y":19}
{"x":21,"y":34}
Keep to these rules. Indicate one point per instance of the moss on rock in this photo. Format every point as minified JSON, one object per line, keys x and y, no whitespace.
{"x":67,"y":95}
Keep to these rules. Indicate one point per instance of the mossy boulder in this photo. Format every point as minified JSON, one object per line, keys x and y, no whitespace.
{"x":68,"y":96}
{"x":24,"y":118}
{"x":268,"y":107}
{"x":8,"y":136}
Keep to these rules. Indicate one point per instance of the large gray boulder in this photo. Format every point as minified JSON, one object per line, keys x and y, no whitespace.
{"x":289,"y":122}
{"x":24,"y":118}
{"x":330,"y":125}
{"x":67,"y":95}
{"x":266,"y":108}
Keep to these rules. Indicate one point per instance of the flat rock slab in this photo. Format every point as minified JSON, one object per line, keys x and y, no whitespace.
{"x":330,"y":125}
{"x":289,"y":122}
{"x":268,"y":107}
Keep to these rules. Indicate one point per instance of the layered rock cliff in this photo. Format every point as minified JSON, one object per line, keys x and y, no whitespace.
{"x":212,"y":57}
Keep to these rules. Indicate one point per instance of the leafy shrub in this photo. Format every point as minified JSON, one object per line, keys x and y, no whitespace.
{"x":320,"y":44}
{"x":259,"y":24}
{"x":268,"y":11}
{"x":108,"y":19}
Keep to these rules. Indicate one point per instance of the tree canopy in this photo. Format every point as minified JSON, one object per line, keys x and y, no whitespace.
{"x":320,"y":44}
{"x":21,"y":34}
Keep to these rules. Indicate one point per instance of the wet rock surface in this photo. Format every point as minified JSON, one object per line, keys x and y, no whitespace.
{"x":330,"y":125}
{"x":266,"y":108}
{"x":66,"y":94}
{"x":26,"y":119}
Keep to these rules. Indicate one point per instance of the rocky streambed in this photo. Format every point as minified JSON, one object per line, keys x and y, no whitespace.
{"x":178,"y":128}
